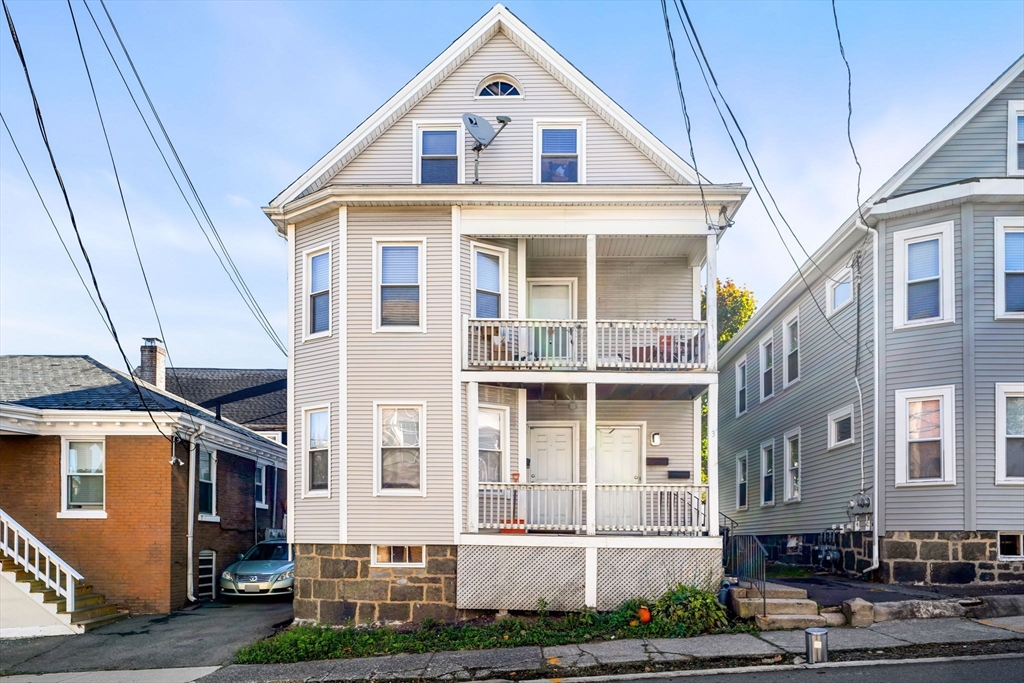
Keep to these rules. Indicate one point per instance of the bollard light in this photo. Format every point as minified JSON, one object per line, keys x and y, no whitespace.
{"x":816,"y":641}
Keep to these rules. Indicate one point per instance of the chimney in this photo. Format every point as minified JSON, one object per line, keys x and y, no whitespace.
{"x":153,"y":367}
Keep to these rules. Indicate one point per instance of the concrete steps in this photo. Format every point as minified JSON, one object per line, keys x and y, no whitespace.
{"x":749,"y":607}
{"x":784,"y":622}
{"x":782,"y":607}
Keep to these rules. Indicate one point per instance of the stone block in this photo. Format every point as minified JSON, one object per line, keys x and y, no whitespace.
{"x":899,"y":550}
{"x":357,"y":552}
{"x":988,"y":535}
{"x":306,"y":609}
{"x":862,"y":565}
{"x":922,"y":535}
{"x":307,"y":566}
{"x":434,"y":594}
{"x":953,"y":572}
{"x":849,"y":559}
{"x":987,"y":577}
{"x":934,"y":550}
{"x":394,"y":611}
{"x":364,"y":569}
{"x":407,"y":593}
{"x":304,"y":588}
{"x":331,"y":568}
{"x":324,"y":549}
{"x":364,"y":590}
{"x":366,"y":612}
{"x":450,"y":589}
{"x":917,"y":609}
{"x":325,"y":589}
{"x":306,"y":549}
{"x":437,"y":551}
{"x":846,"y":540}
{"x":995,"y":606}
{"x":436,"y":611}
{"x":986,"y":565}
{"x":993,"y":554}
{"x":859,"y":612}
{"x":909,"y":572}
{"x":955,"y":535}
{"x":834,"y":618}
{"x":443,"y":567}
{"x":453,"y":551}
{"x":425,"y":579}
{"x":974,"y":552}
{"x":1011,"y":576}
{"x":337,"y":612}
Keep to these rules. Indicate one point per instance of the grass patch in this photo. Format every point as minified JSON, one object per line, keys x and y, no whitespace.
{"x":787,"y":571}
{"x":681,"y":613}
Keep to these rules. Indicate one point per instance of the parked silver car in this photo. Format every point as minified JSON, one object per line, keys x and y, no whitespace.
{"x":267,"y":569}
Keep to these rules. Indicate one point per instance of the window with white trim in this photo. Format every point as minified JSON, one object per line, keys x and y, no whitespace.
{"x":438,"y":154}
{"x":839,"y":291}
{"x":318,"y":451}
{"x":925,"y":448}
{"x":840,"y":427}
{"x":767,"y":367}
{"x":318,"y":304}
{"x":400,"y":460}
{"x":490,"y":276}
{"x":499,"y":85}
{"x":923,"y":275}
{"x":1015,"y":138}
{"x":560,"y":152}
{"x":741,"y":481}
{"x":792,"y":441}
{"x":741,"y":387}
{"x":768,"y":473}
{"x":260,"y":490}
{"x":492,"y":428}
{"x":1011,"y":546}
{"x":207,"y":485}
{"x":1009,"y":253}
{"x":1010,"y":433}
{"x":398,"y":556}
{"x":791,"y":348}
{"x":85,"y":468}
{"x":399,"y":297}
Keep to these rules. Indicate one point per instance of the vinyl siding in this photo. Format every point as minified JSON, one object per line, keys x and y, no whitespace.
{"x":610,"y":158}
{"x":829,"y":477}
{"x":976,"y":150}
{"x":316,"y":383}
{"x":400,"y":367}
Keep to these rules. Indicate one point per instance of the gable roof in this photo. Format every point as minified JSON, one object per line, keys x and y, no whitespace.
{"x":499,"y":18}
{"x":257,"y":399}
{"x":841,"y":239}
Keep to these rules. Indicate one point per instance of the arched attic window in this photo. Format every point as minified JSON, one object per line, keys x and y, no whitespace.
{"x":499,"y":85}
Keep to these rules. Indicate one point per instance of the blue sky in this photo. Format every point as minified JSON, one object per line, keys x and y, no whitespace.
{"x":254,"y":93}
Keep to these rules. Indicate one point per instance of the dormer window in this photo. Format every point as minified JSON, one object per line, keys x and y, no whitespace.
{"x":499,"y":85}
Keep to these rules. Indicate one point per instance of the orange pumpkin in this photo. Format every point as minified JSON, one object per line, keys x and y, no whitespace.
{"x":645,"y":614}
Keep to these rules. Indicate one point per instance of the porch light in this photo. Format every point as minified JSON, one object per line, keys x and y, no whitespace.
{"x":656,"y":438}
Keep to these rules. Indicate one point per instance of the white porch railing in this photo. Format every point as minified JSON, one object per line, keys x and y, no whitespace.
{"x":559,"y":344}
{"x":38,"y":560}
{"x":652,"y":345}
{"x":518,"y":508}
{"x":620,"y":508}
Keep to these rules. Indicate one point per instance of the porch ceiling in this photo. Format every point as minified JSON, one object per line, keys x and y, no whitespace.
{"x":629,"y":246}
{"x":608,"y":392}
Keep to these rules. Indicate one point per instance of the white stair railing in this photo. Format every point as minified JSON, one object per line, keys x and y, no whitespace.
{"x":38,"y":560}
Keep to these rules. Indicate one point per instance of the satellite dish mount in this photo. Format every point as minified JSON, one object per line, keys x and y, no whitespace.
{"x":484,"y":135}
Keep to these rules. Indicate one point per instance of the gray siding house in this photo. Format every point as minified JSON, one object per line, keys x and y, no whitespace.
{"x":494,"y":387}
{"x":875,"y":420}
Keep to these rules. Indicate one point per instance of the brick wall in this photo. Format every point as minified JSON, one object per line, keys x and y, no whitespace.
{"x":335,"y":584}
{"x":945,"y":557}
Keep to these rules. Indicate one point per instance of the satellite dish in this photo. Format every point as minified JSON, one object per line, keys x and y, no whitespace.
{"x":484,"y":134}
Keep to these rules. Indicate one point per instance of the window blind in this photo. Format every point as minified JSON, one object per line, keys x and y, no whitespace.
{"x":558,"y":141}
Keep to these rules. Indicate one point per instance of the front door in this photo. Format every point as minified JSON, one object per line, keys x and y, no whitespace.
{"x":551,"y":462}
{"x":551,"y":300}
{"x":618,"y":463}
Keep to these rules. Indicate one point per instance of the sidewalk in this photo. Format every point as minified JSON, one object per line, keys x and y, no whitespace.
{"x":569,"y":660}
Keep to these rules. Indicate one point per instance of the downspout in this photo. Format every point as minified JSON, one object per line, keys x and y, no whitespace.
{"x":189,"y":592}
{"x":273,"y":511}
{"x":877,"y":264}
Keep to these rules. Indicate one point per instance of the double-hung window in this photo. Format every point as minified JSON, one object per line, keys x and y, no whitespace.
{"x":768,"y":473}
{"x":318,"y":305}
{"x":439,"y":154}
{"x":840,"y":427}
{"x":839,"y":291}
{"x":767,"y":367}
{"x":925,"y":447}
{"x":741,"y":481}
{"x":84,"y":485}
{"x":1009,"y":267}
{"x":489,"y":278}
{"x":399,"y":298}
{"x":741,"y":387}
{"x":492,"y":424}
{"x":207,"y":485}
{"x":1010,"y":433}
{"x":400,"y":460}
{"x":1015,"y":138}
{"x":923,"y":275}
{"x":792,"y":440}
{"x":560,"y":157}
{"x":318,"y":450}
{"x":791,"y":348}
{"x":260,"y":486}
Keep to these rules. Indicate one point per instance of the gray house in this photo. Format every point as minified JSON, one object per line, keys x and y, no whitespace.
{"x":494,"y":386}
{"x":875,"y":420}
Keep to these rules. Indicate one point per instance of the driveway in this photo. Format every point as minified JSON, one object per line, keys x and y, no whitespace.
{"x":829,"y":590}
{"x":209,"y":635}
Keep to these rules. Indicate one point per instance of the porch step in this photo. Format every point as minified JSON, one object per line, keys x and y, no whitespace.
{"x":91,"y":609}
{"x":749,"y":607}
{"x":772,"y":590}
{"x":96,"y":622}
{"x":783,"y":622}
{"x":81,"y":601}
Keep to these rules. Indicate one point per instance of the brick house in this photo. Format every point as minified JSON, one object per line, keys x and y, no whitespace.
{"x":89,"y":461}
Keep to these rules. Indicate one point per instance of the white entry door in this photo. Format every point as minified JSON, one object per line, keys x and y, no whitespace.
{"x":551,"y":300}
{"x":551,"y":452}
{"x":618,"y":462}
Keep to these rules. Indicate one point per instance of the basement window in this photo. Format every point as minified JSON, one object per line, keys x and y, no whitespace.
{"x":398,"y":556}
{"x":1011,"y":545}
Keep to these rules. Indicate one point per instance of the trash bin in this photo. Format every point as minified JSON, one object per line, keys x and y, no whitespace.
{"x":816,"y":641}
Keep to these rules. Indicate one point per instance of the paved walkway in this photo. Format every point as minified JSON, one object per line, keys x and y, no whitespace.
{"x":567,"y":659}
{"x":828,"y":590}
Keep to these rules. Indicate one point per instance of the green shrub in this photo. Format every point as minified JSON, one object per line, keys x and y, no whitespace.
{"x":688,"y":611}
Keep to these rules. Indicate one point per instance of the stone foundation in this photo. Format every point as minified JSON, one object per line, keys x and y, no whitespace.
{"x":335,"y":584}
{"x":945,"y":557}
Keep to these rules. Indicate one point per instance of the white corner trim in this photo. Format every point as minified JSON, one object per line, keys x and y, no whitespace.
{"x":342,"y":375}
{"x":947,"y":396}
{"x":901,"y":239}
{"x":1015,"y":108}
{"x":290,"y":388}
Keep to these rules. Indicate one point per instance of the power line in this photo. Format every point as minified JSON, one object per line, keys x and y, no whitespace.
{"x":71,"y":213}
{"x":849,"y":110}
{"x":240,"y":285}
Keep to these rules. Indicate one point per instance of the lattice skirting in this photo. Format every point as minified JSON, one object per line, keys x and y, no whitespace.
{"x":624,"y":573}
{"x":494,"y":577}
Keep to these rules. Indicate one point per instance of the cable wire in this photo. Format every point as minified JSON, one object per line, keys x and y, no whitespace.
{"x":849,"y":110}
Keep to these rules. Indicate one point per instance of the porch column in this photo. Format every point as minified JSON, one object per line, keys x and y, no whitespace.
{"x":591,"y":458}
{"x":591,"y":302}
{"x":711,"y":297}
{"x":713,"y":459}
{"x":472,"y":410}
